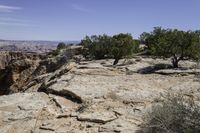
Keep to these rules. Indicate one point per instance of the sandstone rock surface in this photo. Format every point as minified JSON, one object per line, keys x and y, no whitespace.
{"x":92,"y":96}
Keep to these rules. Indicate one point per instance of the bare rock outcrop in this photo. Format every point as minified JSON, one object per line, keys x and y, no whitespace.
{"x":15,"y":66}
{"x":19,"y":69}
{"x":87,"y":96}
{"x":29,"y":112}
{"x":6,"y":57}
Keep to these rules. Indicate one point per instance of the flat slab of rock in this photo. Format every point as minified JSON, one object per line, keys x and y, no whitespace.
{"x":21,"y":110}
{"x":97,"y":117}
{"x":24,"y":101}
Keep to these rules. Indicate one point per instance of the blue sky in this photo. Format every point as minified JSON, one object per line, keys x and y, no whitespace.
{"x":73,"y":19}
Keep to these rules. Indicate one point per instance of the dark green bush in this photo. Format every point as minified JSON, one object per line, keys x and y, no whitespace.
{"x":103,"y":46}
{"x":54,"y":52}
{"x":96,"y":47}
{"x":123,"y":45}
{"x":177,"y":44}
{"x":61,"y":45}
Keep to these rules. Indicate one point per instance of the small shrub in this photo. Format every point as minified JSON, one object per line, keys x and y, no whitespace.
{"x":175,"y":113}
{"x":54,"y":52}
{"x":61,"y":45}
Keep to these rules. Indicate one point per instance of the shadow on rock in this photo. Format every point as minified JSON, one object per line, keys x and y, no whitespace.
{"x":152,"y":69}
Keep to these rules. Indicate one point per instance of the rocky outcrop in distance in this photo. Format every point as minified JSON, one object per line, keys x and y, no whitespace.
{"x":28,"y":46}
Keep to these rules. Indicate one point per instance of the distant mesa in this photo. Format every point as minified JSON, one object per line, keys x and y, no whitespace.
{"x":30,"y":46}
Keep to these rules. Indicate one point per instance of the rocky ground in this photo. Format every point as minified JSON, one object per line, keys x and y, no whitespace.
{"x":90,"y":96}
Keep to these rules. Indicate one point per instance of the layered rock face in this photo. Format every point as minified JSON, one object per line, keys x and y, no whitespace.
{"x":16,"y":65}
{"x":17,"y":69}
{"x":6,"y":57}
{"x":90,"y":96}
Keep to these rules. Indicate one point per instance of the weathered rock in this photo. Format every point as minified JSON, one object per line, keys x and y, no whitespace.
{"x":16,"y":74}
{"x":97,"y":117}
{"x":21,"y":110}
{"x":16,"y":66}
{"x":66,"y":106}
{"x":90,"y":96}
{"x":36,"y":112}
{"x":6,"y":57}
{"x":53,"y":64}
{"x":19,"y":75}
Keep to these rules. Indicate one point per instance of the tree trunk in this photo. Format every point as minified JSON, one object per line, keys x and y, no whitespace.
{"x":175,"y":62}
{"x":116,"y":61}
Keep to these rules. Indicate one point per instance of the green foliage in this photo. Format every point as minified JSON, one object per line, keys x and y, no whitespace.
{"x":61,"y":45}
{"x":122,"y":45}
{"x":173,"y":43}
{"x":103,"y":46}
{"x":96,"y":47}
{"x":174,"y":113}
{"x":54,"y":52}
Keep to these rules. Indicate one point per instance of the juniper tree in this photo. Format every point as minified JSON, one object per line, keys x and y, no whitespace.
{"x":178,"y":45}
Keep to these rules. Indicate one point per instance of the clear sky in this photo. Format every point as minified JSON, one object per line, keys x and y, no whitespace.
{"x":73,"y":19}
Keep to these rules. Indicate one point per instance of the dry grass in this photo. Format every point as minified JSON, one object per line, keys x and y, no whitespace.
{"x":175,"y":113}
